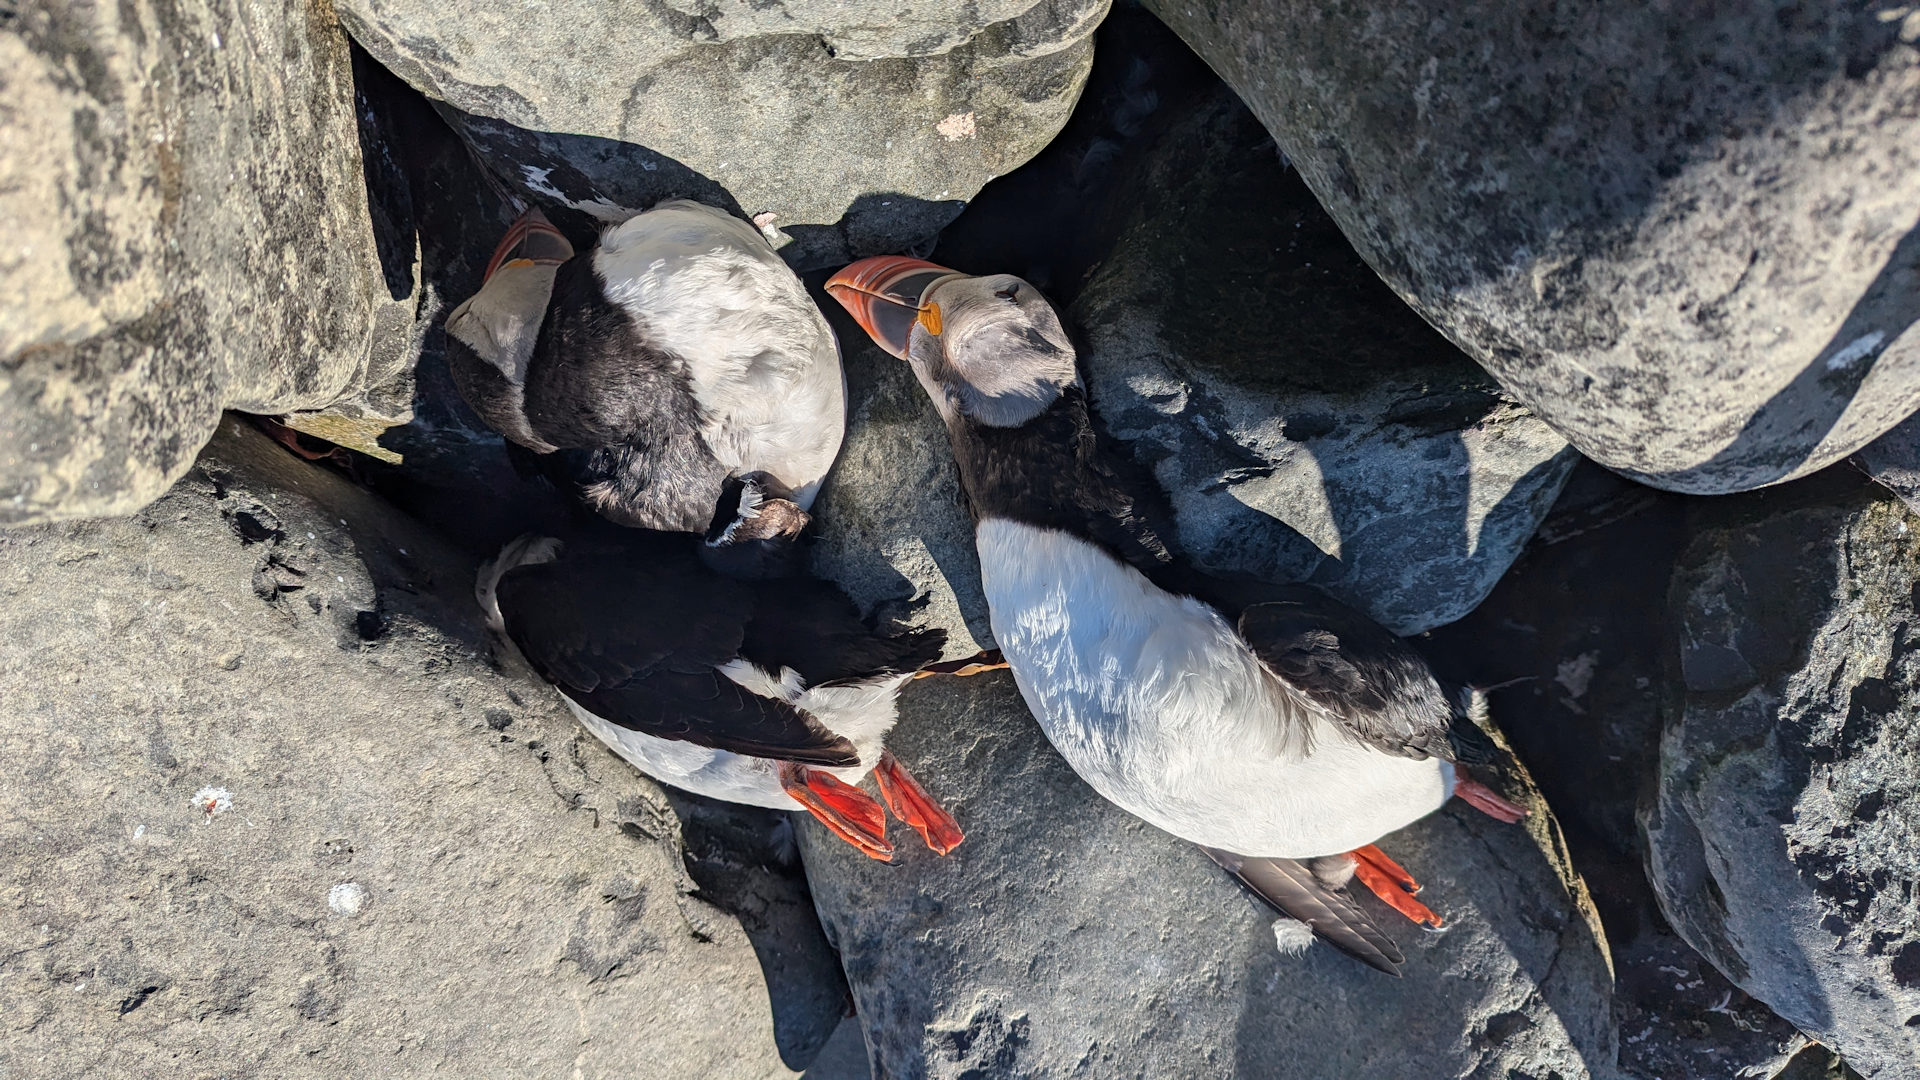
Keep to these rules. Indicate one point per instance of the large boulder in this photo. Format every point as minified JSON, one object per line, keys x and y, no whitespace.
{"x":188,"y":229}
{"x":1307,"y":425}
{"x":1784,"y":841}
{"x":1686,"y":240}
{"x":1067,"y":937}
{"x":273,"y":813}
{"x":872,"y":131}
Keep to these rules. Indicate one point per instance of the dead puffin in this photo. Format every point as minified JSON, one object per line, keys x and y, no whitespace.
{"x":676,"y":377}
{"x":771,"y":693}
{"x":1277,"y":728}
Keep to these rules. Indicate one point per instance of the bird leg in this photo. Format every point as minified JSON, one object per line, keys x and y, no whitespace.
{"x":989,"y":660}
{"x":1391,"y":883}
{"x":911,"y":804}
{"x":1481,"y":798}
{"x":850,"y":813}
{"x":290,"y":439}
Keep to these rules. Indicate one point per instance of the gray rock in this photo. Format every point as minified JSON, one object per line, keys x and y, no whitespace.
{"x":892,"y":529}
{"x":1572,"y":635}
{"x":188,"y":230}
{"x":1893,"y":460}
{"x":273,"y":813}
{"x":1782,"y":843}
{"x":1066,"y":937}
{"x":1686,"y":241}
{"x":1307,"y":425}
{"x":797,"y":114}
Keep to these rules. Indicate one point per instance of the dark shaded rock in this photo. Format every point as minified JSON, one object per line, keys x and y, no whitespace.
{"x":1893,"y":460}
{"x":189,"y":230}
{"x":247,"y":837}
{"x":891,"y":528}
{"x":1688,"y":241}
{"x":795,"y":114}
{"x":1579,"y":621}
{"x":1307,"y":425}
{"x":1784,"y":841}
{"x":1066,"y":937}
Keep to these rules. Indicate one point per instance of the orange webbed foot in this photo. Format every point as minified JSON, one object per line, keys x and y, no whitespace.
{"x":911,"y":804}
{"x":1391,"y":883}
{"x":850,"y":813}
{"x":990,"y":660}
{"x":1481,"y":798}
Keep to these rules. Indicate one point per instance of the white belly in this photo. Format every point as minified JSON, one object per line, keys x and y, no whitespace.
{"x":863,"y":712}
{"x":760,"y":359}
{"x":1157,"y":703}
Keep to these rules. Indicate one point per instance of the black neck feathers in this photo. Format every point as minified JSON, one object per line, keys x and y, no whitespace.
{"x":1053,"y":473}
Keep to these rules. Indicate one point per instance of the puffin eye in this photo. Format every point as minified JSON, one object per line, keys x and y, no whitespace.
{"x":1011,"y":292}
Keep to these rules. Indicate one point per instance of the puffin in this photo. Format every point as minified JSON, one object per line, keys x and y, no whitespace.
{"x":769,"y":692}
{"x":1277,"y":728}
{"x":677,"y":377}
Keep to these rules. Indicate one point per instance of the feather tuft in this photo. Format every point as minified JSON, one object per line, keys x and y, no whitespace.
{"x":1291,"y":936}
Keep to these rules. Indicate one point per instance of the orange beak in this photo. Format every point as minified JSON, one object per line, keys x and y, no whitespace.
{"x":530,"y":239}
{"x":885,"y":295}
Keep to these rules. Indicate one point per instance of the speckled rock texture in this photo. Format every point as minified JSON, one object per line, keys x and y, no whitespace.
{"x":272,"y":812}
{"x":892,"y":530}
{"x":1306,"y":425}
{"x":1572,"y":638}
{"x":183,"y":194}
{"x":1782,"y":843}
{"x":856,"y":131}
{"x":1687,"y":240}
{"x":1893,"y":460}
{"x":1066,"y":937}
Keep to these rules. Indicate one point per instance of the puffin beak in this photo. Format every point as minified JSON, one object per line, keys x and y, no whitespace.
{"x":884,"y":295}
{"x":531,"y":240}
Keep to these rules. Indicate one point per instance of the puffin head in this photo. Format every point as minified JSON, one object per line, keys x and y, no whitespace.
{"x":989,"y":350}
{"x":499,"y":324}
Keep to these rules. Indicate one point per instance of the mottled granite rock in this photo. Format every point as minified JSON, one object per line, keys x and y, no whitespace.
{"x":1784,"y":840}
{"x":273,"y":812}
{"x":1686,"y":239}
{"x":858,"y":132}
{"x":185,"y":198}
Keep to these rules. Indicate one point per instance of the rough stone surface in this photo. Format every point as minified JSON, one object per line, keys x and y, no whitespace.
{"x":1307,"y":425}
{"x":1893,"y":460}
{"x":270,"y":812}
{"x":892,"y":529}
{"x":183,"y":192}
{"x":1570,"y":638}
{"x":877,"y":128}
{"x":1066,"y":937}
{"x":1782,"y":842}
{"x":1686,"y":240}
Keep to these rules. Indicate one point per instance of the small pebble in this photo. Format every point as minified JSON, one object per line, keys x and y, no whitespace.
{"x":347,"y":898}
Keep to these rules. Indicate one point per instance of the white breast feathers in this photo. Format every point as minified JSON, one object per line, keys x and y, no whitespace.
{"x":759,"y":357}
{"x":1160,"y":706}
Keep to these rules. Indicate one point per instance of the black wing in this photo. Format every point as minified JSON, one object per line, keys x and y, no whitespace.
{"x":1021,"y":474}
{"x":1293,"y":891}
{"x":1352,"y":669}
{"x":812,"y":627}
{"x":634,"y":632}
